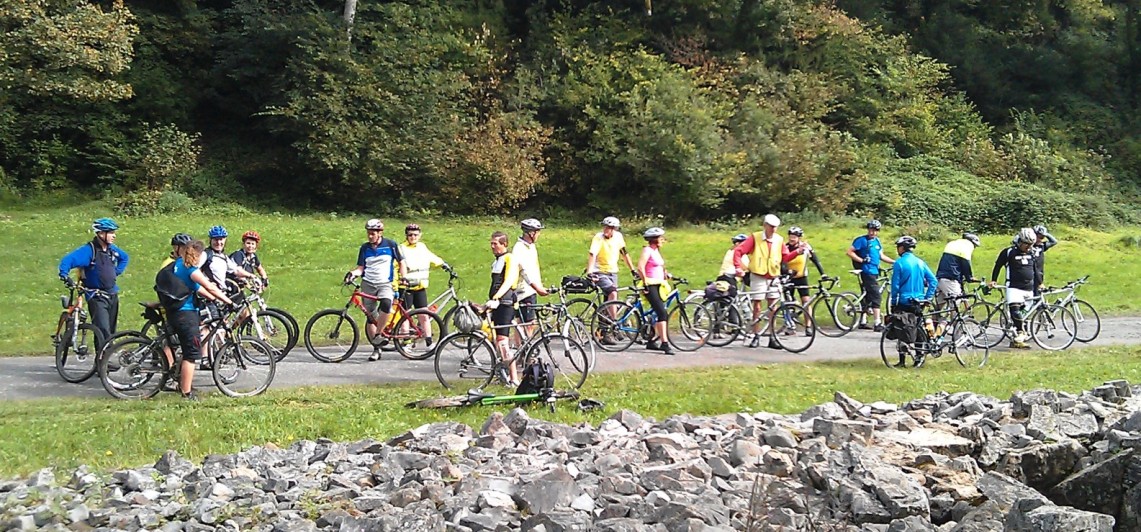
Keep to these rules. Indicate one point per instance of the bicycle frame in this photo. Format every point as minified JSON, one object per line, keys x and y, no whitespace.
{"x":646,"y":312}
{"x":73,"y":312}
{"x":447,"y":296}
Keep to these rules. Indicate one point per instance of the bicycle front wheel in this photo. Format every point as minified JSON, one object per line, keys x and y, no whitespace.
{"x":133,"y":368}
{"x":615,"y":326}
{"x":1053,"y":328}
{"x":414,"y":340}
{"x":274,"y":330}
{"x":77,"y":351}
{"x":793,"y":328}
{"x":685,"y":332}
{"x":836,"y":314}
{"x":724,"y":322}
{"x":1089,"y":323}
{"x":235,"y":373}
{"x":464,"y":360}
{"x":331,"y":335}
{"x":581,"y":308}
{"x":576,"y":329}
{"x":992,"y":318}
{"x":970,"y":343}
{"x":294,"y":329}
{"x":566,"y":356}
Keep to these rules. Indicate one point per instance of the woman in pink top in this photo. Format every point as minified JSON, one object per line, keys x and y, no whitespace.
{"x":652,"y":267}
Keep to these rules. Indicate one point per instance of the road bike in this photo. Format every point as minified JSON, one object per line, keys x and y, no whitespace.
{"x":791,"y":327}
{"x":884,"y":283}
{"x":618,"y":324}
{"x":962,"y":336}
{"x":1089,"y":323}
{"x":470,"y":358}
{"x":1053,"y":327}
{"x":835,"y":314}
{"x":332,"y":335}
{"x":76,"y":342}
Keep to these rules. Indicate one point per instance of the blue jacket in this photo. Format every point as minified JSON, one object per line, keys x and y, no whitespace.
{"x":867,"y":247}
{"x":911,"y":279}
{"x":955,"y":264}
{"x":97,"y":274}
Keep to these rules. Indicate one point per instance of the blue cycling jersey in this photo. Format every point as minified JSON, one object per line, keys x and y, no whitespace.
{"x":911,"y":279}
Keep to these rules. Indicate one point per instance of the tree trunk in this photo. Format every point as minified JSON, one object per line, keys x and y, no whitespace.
{"x":350,"y":14}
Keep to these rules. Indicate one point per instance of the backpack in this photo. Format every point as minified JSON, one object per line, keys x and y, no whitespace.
{"x":538,"y":377}
{"x":172,"y":292}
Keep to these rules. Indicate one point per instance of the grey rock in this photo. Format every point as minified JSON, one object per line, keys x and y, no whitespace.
{"x":1042,"y":466}
{"x":1097,"y":488}
{"x":780,"y":438}
{"x":558,"y":521}
{"x":744,"y":453}
{"x":1005,"y":491}
{"x":551,"y":490}
{"x":824,"y":411}
{"x":912,"y":523}
{"x":1052,"y":518}
{"x":840,"y":431}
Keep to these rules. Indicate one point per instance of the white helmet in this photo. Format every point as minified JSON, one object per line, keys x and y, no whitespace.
{"x":611,"y":221}
{"x":374,"y":224}
{"x":1026,"y":236}
{"x":530,"y":224}
{"x":771,"y":219}
{"x":653,"y":232}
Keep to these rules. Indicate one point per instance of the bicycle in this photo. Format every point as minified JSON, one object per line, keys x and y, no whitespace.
{"x":76,"y":342}
{"x":451,"y":295}
{"x":884,"y":283}
{"x":618,"y":324}
{"x":136,"y":367}
{"x":476,"y":397}
{"x":834,"y":314}
{"x":726,"y":321}
{"x":327,"y":342}
{"x":273,"y":326}
{"x":1053,"y":327}
{"x":1089,"y":323}
{"x":471,"y":356}
{"x":968,"y":338}
{"x":565,"y":322}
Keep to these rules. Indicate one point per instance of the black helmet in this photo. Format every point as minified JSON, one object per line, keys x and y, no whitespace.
{"x":180,"y":239}
{"x":972,"y":238}
{"x":874,"y":224}
{"x":906,"y":241}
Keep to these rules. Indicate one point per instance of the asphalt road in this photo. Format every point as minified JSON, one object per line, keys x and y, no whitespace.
{"x":35,"y":377}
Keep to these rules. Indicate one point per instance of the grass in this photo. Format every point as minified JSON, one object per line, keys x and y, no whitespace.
{"x":306,"y":256}
{"x":63,"y":433}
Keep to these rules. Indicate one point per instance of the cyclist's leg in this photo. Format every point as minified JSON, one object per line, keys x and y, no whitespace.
{"x":757,"y":289}
{"x":501,"y":320}
{"x":944,"y":291}
{"x":100,"y":308}
{"x":186,"y":326}
{"x":1015,"y":300}
{"x":872,"y":296}
{"x":414,"y":299}
{"x":657,"y":302}
{"x":526,"y":314}
{"x":801,"y":284}
{"x":608,"y":284}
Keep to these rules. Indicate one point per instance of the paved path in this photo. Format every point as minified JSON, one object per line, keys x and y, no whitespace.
{"x":35,"y":377}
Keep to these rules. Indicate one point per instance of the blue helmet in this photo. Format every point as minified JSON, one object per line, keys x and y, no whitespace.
{"x":104,"y":225}
{"x":218,"y":232}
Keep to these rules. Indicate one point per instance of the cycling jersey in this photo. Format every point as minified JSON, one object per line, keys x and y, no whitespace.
{"x":911,"y":279}
{"x":606,"y":251}
{"x":379,"y":261}
{"x":655,"y":266}
{"x":1022,"y":268}
{"x":955,"y":264}
{"x":868,"y":247}
{"x":217,"y":266}
{"x":99,"y":267}
{"x":727,"y":267}
{"x":798,"y":265}
{"x":248,"y":262}
{"x":183,"y":273}
{"x":504,"y":275}
{"x":418,"y":260}
{"x":526,"y":256}
{"x":765,"y":254}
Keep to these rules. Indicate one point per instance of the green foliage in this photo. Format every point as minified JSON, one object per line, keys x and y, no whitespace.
{"x":165,"y":157}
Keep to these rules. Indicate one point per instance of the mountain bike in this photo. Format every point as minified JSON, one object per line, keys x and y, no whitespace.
{"x":76,"y":342}
{"x":561,"y":319}
{"x":332,"y":335}
{"x":1053,"y":327}
{"x":1089,"y":323}
{"x":449,"y":296}
{"x":273,"y":326}
{"x":962,"y":336}
{"x":618,"y":324}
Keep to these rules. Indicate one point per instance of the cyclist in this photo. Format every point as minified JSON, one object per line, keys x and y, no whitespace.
{"x":911,"y":283}
{"x":1043,"y":243}
{"x":501,"y":298}
{"x":418,"y":261}
{"x":955,"y":268}
{"x":186,"y":321}
{"x":177,"y":242}
{"x":602,"y":259}
{"x":797,"y":268}
{"x":377,"y":263}
{"x":218,"y":264}
{"x":247,"y":258}
{"x":1023,"y":277}
{"x":728,"y":271}
{"x":652,"y":269}
{"x":530,"y":284}
{"x":867,"y":253}
{"x":100,"y":263}
{"x":766,"y":251}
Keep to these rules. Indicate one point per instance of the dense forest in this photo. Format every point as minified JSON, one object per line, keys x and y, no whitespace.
{"x":979,"y":113}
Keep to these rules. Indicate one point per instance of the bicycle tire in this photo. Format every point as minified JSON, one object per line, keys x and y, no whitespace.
{"x":234,"y":373}
{"x":1053,"y":328}
{"x":417,"y":343}
{"x":857,"y":311}
{"x":133,"y":368}
{"x":969,"y":343}
{"x":615,"y":333}
{"x":464,"y":358}
{"x":148,"y":329}
{"x":896,"y":345}
{"x":275,"y":331}
{"x":839,"y":315}
{"x":725,"y":322}
{"x":125,"y":334}
{"x":683,"y":333}
{"x":993,"y":319}
{"x":581,"y":308}
{"x":294,"y":328}
{"x":566,"y":356}
{"x":575,"y":328}
{"x":325,"y":328}
{"x":1089,"y":322}
{"x":797,"y":331}
{"x":448,"y":320}
{"x":77,"y":352}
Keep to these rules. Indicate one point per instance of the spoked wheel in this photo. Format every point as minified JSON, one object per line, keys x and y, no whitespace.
{"x":615,"y":326}
{"x":723,"y":319}
{"x":331,"y":335}
{"x":133,"y":368}
{"x":294,"y":329}
{"x":236,"y":375}
{"x":793,"y":328}
{"x":836,"y":315}
{"x":992,"y":318}
{"x":566,"y":356}
{"x":891,"y":351}
{"x":76,"y":352}
{"x":685,"y":332}
{"x":412,"y":338}
{"x":581,"y":308}
{"x":1089,"y":323}
{"x":1054,"y":328}
{"x":970,"y":344}
{"x":574,"y":328}
{"x":464,"y":360}
{"x":275,"y":330}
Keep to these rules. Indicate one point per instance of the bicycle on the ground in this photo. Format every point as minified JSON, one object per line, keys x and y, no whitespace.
{"x":76,"y":341}
{"x":332,"y":335}
{"x":1089,"y":323}
{"x":471,"y":357}
{"x":1053,"y":327}
{"x":791,"y":327}
{"x":962,"y":336}
{"x":616,"y":325}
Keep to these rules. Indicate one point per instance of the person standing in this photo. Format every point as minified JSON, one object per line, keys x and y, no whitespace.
{"x":911,"y":284}
{"x":602,"y":259}
{"x":247,"y":257}
{"x":798,"y":266}
{"x":100,"y":263}
{"x":652,"y":269}
{"x":1042,"y":244}
{"x":867,"y":254}
{"x":185,"y":320}
{"x":955,"y":269}
{"x":218,"y":264}
{"x":501,"y":299}
{"x":1023,"y":277}
{"x":378,"y":261}
{"x":526,"y":256}
{"x":418,"y":262}
{"x":766,"y":251}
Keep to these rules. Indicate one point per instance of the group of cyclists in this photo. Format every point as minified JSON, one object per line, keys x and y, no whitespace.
{"x":771,"y":266}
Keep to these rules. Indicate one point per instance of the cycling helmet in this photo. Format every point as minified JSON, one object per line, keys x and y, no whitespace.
{"x":653,"y":232}
{"x":611,"y":221}
{"x":1041,"y":230}
{"x":796,"y":230}
{"x":530,"y":224}
{"x":180,"y":239}
{"x":374,"y":225}
{"x":104,"y":225}
{"x":411,"y":227}
{"x":218,"y":232}
{"x":972,"y":238}
{"x":908,"y":242}
{"x":874,"y":224}
{"x":1026,"y":236}
{"x":251,"y":235}
{"x":737,"y":239}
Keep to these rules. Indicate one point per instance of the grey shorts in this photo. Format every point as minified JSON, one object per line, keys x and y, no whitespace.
{"x":947,"y":288}
{"x":607,"y":282}
{"x":384,"y":294}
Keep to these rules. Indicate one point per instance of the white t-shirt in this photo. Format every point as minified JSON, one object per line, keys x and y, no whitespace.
{"x":527,"y":257}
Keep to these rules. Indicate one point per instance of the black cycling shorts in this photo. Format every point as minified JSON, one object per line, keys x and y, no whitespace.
{"x":527,"y":313}
{"x":801,"y":285}
{"x":501,"y":318}
{"x":654,"y":295}
{"x":185,"y":324}
{"x":870,"y":284}
{"x":414,"y":298}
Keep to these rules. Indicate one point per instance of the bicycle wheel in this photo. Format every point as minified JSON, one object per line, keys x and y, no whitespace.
{"x":793,"y":328}
{"x":77,"y":351}
{"x":415,"y":342}
{"x":133,"y":368}
{"x":849,"y":309}
{"x":294,"y":329}
{"x":615,"y":326}
{"x":686,"y":334}
{"x":275,"y":331}
{"x":581,"y":308}
{"x":836,"y":314}
{"x":992,"y":318}
{"x":1089,"y":323}
{"x":464,"y":360}
{"x":566,"y":356}
{"x":1053,"y":328}
{"x":332,"y":335}
{"x":970,"y":344}
{"x":576,"y":329}
{"x":446,"y":323}
{"x":891,"y":350}
{"x":235,"y":375}
{"x":724,"y":322}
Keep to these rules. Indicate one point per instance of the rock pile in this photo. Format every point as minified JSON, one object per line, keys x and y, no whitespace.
{"x":1040,"y":461}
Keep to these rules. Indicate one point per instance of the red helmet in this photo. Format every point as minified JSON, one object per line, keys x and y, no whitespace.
{"x":251,"y":234}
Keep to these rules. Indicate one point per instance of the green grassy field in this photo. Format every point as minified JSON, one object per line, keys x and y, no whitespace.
{"x":306,"y":257}
{"x":109,"y":434}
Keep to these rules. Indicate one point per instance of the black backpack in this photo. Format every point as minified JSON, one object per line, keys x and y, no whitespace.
{"x":538,"y":377}
{"x":172,"y":292}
